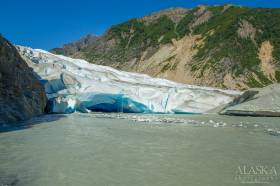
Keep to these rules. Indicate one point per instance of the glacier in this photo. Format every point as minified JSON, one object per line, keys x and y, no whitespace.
{"x":75,"y":85}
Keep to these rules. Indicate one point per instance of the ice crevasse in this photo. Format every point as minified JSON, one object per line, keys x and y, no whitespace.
{"x":76,"y":85}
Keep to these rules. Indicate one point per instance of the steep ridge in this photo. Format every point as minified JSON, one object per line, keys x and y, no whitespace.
{"x":225,"y":46}
{"x":21,"y":94}
{"x":76,"y":85}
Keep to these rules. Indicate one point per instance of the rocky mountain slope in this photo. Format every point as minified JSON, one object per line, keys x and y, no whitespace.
{"x":21,"y":94}
{"x":222,"y":46}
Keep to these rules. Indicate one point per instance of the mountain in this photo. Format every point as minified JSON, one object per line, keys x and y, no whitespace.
{"x":21,"y":95}
{"x":221,"y":46}
{"x":76,"y":85}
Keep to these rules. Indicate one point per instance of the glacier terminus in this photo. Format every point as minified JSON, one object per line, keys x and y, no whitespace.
{"x":76,"y":85}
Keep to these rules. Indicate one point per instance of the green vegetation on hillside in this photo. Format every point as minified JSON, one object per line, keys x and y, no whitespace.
{"x":134,"y":36}
{"x":225,"y":42}
{"x":222,"y":40}
{"x":183,"y":26}
{"x":268,"y":23}
{"x":144,"y":34}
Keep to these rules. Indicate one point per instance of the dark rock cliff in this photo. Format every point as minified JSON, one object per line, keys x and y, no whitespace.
{"x":21,"y":94}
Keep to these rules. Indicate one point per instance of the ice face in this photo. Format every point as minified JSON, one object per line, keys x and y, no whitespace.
{"x":76,"y":85}
{"x":114,"y":103}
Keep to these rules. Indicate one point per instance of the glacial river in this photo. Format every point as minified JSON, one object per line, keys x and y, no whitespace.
{"x":141,"y":150}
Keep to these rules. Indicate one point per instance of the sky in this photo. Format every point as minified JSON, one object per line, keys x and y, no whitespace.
{"x":47,"y":24}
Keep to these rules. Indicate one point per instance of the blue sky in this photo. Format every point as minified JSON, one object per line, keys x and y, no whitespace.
{"x":51,"y":23}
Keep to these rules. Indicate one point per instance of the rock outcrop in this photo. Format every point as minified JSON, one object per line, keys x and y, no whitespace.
{"x":264,"y":103}
{"x":21,"y":94}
